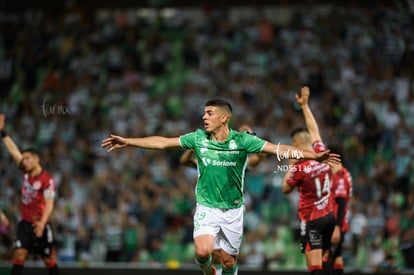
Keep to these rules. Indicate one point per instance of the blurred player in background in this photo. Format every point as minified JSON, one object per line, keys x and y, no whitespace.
{"x":313,"y":180}
{"x":34,"y":231}
{"x":341,"y":192}
{"x":222,"y":155}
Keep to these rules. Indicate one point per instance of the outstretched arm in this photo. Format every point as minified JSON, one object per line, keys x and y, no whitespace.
{"x":153,"y":142}
{"x":8,"y":142}
{"x":311,"y":124}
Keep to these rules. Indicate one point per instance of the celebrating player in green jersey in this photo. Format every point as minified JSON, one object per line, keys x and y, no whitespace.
{"x":222,"y":155}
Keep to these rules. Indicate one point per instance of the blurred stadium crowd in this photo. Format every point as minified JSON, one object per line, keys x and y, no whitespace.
{"x":69,"y":80}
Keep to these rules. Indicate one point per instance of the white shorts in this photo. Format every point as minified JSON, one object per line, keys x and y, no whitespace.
{"x":226,"y":225}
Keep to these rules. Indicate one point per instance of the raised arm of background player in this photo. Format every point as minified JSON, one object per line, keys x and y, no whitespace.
{"x":18,"y":157}
{"x":9,"y":143}
{"x":311,"y":125}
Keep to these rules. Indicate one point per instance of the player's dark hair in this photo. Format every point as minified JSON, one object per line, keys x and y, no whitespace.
{"x":220,"y":103}
{"x":32,"y":151}
{"x":297,"y":131}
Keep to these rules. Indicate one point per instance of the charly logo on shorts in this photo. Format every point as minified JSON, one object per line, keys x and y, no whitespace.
{"x":315,"y":236}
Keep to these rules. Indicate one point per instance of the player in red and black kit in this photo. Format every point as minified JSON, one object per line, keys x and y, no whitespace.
{"x":313,"y":180}
{"x":341,"y":193}
{"x":34,"y":231}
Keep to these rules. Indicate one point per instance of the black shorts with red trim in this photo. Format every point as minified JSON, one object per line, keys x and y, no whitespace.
{"x":317,"y":234}
{"x":26,"y":238}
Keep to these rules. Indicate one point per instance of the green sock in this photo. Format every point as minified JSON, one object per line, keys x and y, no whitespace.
{"x":204,"y":264}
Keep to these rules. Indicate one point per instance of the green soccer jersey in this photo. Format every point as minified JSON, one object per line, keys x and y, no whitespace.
{"x":221,"y":166}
